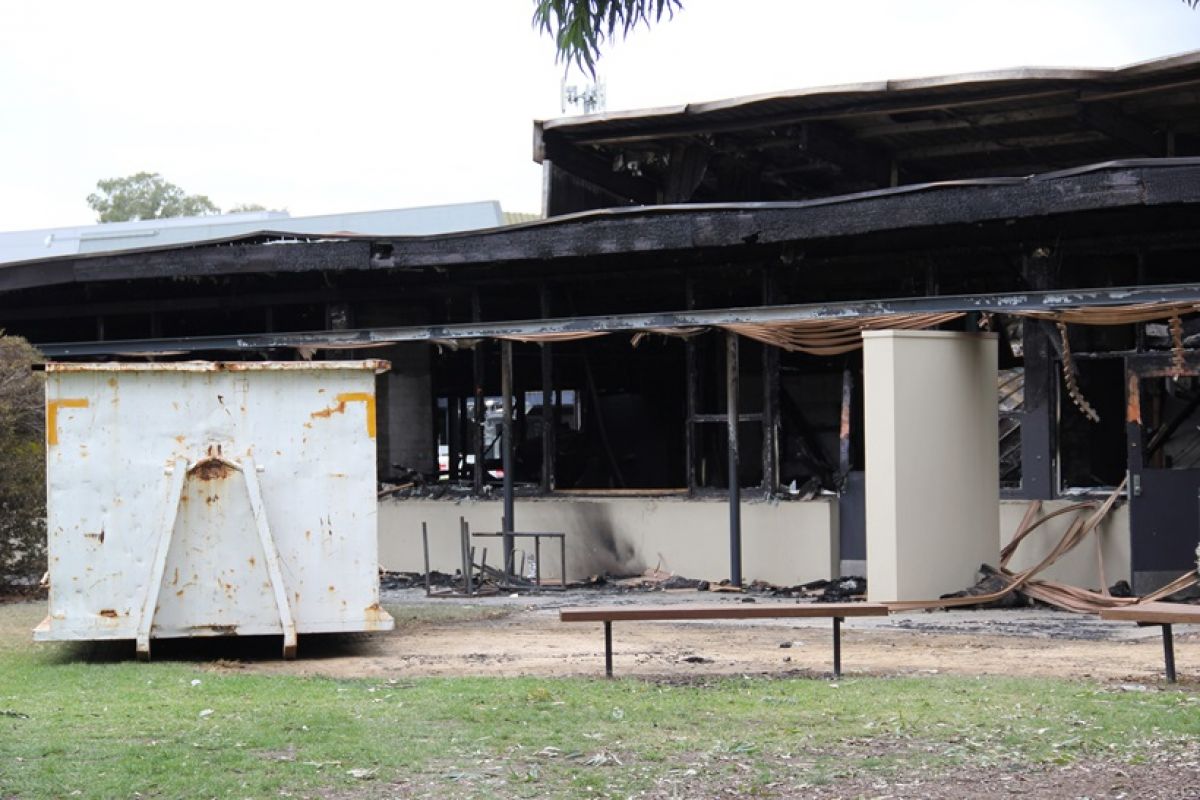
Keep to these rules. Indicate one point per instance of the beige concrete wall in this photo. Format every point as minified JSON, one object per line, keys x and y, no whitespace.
{"x":931,"y":461}
{"x":1080,"y":567}
{"x":782,"y":542}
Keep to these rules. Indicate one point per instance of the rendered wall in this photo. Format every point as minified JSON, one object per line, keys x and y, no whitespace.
{"x":932,"y":487}
{"x":1080,"y":567}
{"x":783,"y":543}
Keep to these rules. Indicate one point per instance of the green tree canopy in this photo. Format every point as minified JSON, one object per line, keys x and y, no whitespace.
{"x":22,"y":463}
{"x":581,"y":27}
{"x":145,"y":195}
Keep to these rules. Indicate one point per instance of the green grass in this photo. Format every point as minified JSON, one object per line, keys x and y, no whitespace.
{"x":87,"y":729}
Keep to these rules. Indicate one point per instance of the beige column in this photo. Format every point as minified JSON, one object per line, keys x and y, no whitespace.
{"x":932,"y":480}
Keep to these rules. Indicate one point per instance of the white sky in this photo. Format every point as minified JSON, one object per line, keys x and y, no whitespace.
{"x":347,"y":106}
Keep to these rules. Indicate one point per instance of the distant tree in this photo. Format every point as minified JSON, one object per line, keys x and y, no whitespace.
{"x":22,"y":464}
{"x":146,"y":195}
{"x":581,"y":27}
{"x":243,"y":208}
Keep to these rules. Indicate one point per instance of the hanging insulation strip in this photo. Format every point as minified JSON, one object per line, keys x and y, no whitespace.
{"x":681,"y":333}
{"x":547,"y":338}
{"x":1113,"y":315}
{"x":828,"y":337}
{"x":1068,"y":373}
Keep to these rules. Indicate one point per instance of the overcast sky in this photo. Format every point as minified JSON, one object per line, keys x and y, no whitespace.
{"x":349,"y":106}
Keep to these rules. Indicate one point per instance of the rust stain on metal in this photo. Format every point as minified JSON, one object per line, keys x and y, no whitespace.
{"x":212,"y":469}
{"x":108,"y":612}
{"x":252,"y":561}
{"x":366,"y":398}
{"x":376,"y":618}
{"x":52,"y":407}
{"x":225,"y":630}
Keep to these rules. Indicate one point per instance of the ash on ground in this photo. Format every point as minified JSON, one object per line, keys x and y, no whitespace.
{"x":839,"y":590}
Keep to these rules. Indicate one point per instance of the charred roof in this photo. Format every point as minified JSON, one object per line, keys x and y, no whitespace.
{"x":842,"y":139}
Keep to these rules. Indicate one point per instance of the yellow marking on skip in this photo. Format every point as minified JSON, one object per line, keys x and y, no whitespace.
{"x":52,"y":407}
{"x":366,"y":398}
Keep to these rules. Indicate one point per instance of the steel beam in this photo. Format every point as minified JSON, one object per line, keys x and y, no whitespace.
{"x":378,"y":337}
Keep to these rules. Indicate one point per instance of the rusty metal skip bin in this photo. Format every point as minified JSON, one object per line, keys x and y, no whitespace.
{"x":210,"y":499}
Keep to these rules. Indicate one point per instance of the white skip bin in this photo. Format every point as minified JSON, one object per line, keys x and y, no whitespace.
{"x":209,"y":499}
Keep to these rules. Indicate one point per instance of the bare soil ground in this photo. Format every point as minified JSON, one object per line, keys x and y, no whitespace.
{"x":510,"y":636}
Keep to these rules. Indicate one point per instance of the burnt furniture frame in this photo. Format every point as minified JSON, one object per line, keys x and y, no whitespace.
{"x":609,"y":614}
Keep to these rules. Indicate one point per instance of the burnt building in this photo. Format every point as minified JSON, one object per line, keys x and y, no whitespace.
{"x":679,"y":342}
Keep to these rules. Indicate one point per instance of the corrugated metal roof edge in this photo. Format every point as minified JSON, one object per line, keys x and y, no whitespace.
{"x":884,"y":87}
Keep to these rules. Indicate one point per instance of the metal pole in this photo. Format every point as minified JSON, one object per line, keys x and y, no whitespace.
{"x":608,"y":648}
{"x":1169,"y":652}
{"x":425,"y":542}
{"x":506,"y":385}
{"x":735,"y":491}
{"x":478,"y":369}
{"x":464,"y":533}
{"x":837,"y":647}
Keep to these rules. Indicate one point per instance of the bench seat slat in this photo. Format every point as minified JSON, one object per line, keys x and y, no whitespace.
{"x":725,"y":611}
{"x":1157,"y":613}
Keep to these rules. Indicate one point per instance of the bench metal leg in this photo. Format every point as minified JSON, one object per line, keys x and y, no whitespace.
{"x":837,"y":647}
{"x":1169,"y":652}
{"x":608,"y":648}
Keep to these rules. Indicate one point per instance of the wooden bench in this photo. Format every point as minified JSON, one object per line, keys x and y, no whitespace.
{"x":1163,"y":614}
{"x":686,"y":611}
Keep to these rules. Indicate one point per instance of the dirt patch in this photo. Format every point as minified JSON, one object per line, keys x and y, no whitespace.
{"x":520,"y":636}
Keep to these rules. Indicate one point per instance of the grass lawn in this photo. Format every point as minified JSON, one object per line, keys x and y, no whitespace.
{"x":74,"y":728}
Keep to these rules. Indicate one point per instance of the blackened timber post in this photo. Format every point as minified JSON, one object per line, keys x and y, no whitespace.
{"x":844,"y":455}
{"x":689,"y":355}
{"x":549,"y":415}
{"x":506,"y":389}
{"x":735,"y":492}
{"x":1038,"y":422}
{"x":770,"y":421}
{"x":453,"y":437}
{"x":478,"y":367}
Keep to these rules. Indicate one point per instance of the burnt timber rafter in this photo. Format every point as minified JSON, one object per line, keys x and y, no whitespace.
{"x":374,"y":337}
